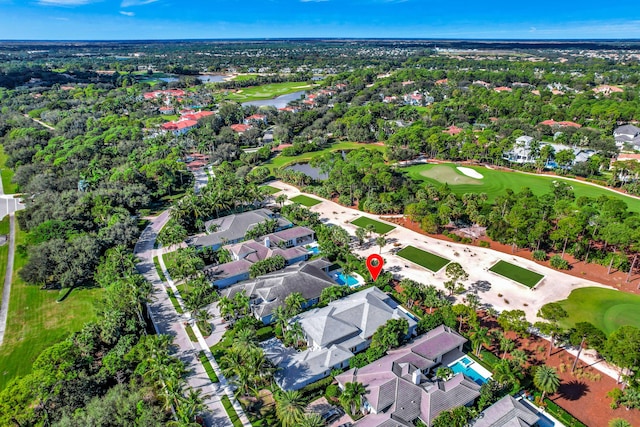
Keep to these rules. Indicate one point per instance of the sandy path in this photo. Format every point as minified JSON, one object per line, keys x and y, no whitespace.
{"x":502,"y":293}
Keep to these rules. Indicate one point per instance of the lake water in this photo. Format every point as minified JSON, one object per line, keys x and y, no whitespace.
{"x":307,"y":169}
{"x":278,"y":102}
{"x":211,"y":78}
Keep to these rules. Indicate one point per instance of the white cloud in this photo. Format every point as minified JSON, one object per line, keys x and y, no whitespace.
{"x":129,"y":3}
{"x":65,"y":2}
{"x":125,"y":13}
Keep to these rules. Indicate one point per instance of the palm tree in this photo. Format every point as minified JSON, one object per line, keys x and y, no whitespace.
{"x":361,"y":234}
{"x":294,"y":303}
{"x":202,"y":318}
{"x":226,"y":307}
{"x":245,"y":339}
{"x":619,"y":422}
{"x":444,"y":373}
{"x":311,"y":420}
{"x":289,"y":407}
{"x":546,"y":380}
{"x":381,"y":241}
{"x":332,"y":293}
{"x":480,"y":336}
{"x":190,"y":406}
{"x":370,"y":229}
{"x":504,"y":373}
{"x":294,"y":333}
{"x":520,"y":357}
{"x":506,"y":345}
{"x":281,"y":199}
{"x":351,"y":397}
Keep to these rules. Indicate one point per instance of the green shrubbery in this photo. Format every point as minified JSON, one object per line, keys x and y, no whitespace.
{"x":539,"y":255}
{"x":559,"y":263}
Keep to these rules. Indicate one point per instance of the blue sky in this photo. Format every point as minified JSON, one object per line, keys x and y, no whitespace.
{"x":176,"y":19}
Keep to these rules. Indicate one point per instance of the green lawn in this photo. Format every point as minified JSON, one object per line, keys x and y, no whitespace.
{"x":207,"y":367}
{"x":305,"y":200}
{"x":156,"y":263}
{"x":36,"y":320}
{"x":425,"y":259}
{"x":381,"y":228}
{"x":283,"y":161}
{"x":495,"y":182}
{"x":169,"y":261}
{"x":268,"y":91}
{"x":6,"y":174}
{"x":270,"y":189}
{"x":607,"y":309}
{"x":517,"y":274}
{"x":231,"y":412}
{"x":244,"y":77}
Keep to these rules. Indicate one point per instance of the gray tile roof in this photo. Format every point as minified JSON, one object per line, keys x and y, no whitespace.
{"x":269,"y":291}
{"x":360,"y":313}
{"x":234,"y":227}
{"x":337,"y":328}
{"x":506,"y":412}
{"x":390,"y":387}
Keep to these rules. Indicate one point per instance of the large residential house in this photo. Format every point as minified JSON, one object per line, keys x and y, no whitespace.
{"x":521,"y":152}
{"x":233,"y":228}
{"x":627,"y":135}
{"x":268,"y":292}
{"x":286,"y":243}
{"x":334,"y":334}
{"x":398,"y":389}
{"x":180,"y":127}
{"x":506,"y":412}
{"x":255,"y":119}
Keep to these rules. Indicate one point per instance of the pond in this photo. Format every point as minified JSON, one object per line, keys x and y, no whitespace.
{"x":209,"y":78}
{"x":277,"y":102}
{"x":309,"y":170}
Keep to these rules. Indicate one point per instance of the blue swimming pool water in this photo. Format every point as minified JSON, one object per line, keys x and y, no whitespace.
{"x":346,"y":280}
{"x":314,"y":250}
{"x":460,"y":367}
{"x":544,"y":420}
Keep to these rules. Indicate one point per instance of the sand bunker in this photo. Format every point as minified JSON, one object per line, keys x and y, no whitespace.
{"x":470,"y":172}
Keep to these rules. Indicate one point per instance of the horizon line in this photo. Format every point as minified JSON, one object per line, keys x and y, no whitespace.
{"x":546,"y":40}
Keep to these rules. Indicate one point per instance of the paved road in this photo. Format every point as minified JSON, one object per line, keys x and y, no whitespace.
{"x":6,"y":290}
{"x":40,"y":122}
{"x":167,"y":321}
{"x":9,"y":204}
{"x":200,"y":179}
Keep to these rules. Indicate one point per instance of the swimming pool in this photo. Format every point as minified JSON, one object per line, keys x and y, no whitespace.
{"x":471,"y":369}
{"x":314,"y":250}
{"x":346,"y":280}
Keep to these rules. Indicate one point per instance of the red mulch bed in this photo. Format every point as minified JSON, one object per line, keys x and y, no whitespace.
{"x":583,"y":397}
{"x":594,"y":272}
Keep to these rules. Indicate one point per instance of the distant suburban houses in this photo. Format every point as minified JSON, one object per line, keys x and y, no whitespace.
{"x":627,"y":135}
{"x":522,"y":152}
{"x":334,"y":334}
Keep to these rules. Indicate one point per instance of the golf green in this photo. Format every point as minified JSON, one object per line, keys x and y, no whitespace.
{"x":380,"y":227}
{"x":424,"y":259}
{"x":607,"y":309}
{"x":517,"y":274}
{"x":305,"y":200}
{"x":495,"y":182}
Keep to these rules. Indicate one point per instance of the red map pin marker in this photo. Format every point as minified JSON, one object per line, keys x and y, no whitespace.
{"x":374,"y":264}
